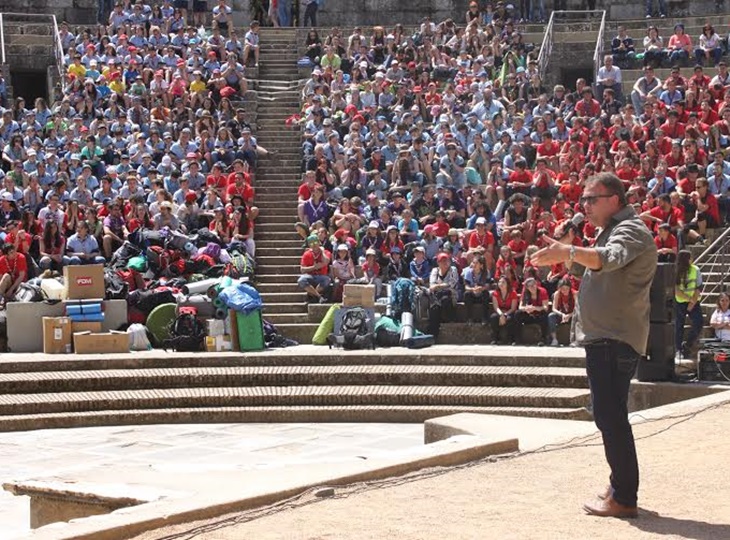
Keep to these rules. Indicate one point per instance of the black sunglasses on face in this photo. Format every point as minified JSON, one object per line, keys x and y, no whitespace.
{"x":592,"y":199}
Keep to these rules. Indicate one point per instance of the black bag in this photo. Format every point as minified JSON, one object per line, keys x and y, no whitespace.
{"x":354,"y":332}
{"x":386,"y":338}
{"x":116,"y":288}
{"x":121,"y":256}
{"x":420,"y":342}
{"x":187,"y":333}
{"x":204,"y":237}
{"x":146,"y":301}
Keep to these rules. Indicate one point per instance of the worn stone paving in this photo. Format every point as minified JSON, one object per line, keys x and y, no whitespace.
{"x":175,"y":449}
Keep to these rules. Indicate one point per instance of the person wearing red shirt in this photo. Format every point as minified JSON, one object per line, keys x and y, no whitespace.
{"x":571,"y":191}
{"x":699,"y":78}
{"x":549,"y":150}
{"x":13,"y":271}
{"x":518,"y":246}
{"x":563,"y":308}
{"x":482,"y":240}
{"x":217,"y":179}
{"x":520,"y":179}
{"x":588,"y":106}
{"x":543,"y":180}
{"x":663,"y":143}
{"x":663,"y":212}
{"x":673,"y":128}
{"x":666,"y":243}
{"x":239,"y":166}
{"x":708,"y":211}
{"x":18,"y":237}
{"x":534,"y":307}
{"x":504,"y":307}
{"x":240,"y":187}
{"x":314,"y":266}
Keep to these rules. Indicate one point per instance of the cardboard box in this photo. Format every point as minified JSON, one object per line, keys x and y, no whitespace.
{"x":218,"y":343}
{"x":25,"y":315}
{"x":84,"y":281}
{"x":91,"y":343}
{"x":85,"y":326}
{"x":358,"y":295}
{"x":215,"y":327}
{"x":56,"y":335}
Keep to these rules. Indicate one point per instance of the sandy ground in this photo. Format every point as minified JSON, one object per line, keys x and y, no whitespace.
{"x":684,"y":494}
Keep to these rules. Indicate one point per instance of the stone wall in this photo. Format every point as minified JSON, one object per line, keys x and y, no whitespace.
{"x":74,"y":11}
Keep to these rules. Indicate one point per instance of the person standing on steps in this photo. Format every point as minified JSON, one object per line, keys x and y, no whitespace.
{"x":612,"y":323}
{"x":687,"y":301}
{"x":310,"y":12}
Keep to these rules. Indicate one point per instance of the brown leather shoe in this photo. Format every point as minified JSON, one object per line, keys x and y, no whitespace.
{"x":605,"y":494}
{"x":608,"y":507}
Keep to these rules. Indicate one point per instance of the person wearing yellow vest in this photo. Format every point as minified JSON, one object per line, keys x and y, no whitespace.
{"x":687,"y":301}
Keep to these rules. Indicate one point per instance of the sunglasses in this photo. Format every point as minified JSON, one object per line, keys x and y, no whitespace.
{"x":593,"y":199}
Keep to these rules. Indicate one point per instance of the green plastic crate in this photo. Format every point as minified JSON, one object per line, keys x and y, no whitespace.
{"x":250,"y":331}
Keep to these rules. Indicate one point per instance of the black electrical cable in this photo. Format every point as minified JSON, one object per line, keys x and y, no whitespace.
{"x":342,"y":492}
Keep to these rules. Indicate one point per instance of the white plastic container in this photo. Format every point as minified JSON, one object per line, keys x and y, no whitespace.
{"x":52,"y":289}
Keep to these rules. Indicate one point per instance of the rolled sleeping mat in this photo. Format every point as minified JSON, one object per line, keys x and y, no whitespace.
{"x":199,"y":287}
{"x":220,"y":313}
{"x":218,"y":303}
{"x":406,"y":330}
{"x":82,"y":309}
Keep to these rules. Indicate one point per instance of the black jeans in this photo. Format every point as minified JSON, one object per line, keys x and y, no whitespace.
{"x":610,"y":365}
{"x":477,"y":306}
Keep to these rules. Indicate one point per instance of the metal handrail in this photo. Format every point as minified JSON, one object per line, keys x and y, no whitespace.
{"x":716,"y":246}
{"x":599,"y":46}
{"x":546,"y":48}
{"x":58,"y":47}
{"x":712,"y":263}
{"x":2,"y":38}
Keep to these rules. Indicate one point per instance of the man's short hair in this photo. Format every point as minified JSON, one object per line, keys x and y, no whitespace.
{"x":611,"y":183}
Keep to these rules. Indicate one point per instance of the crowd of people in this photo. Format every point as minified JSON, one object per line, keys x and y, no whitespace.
{"x":145,"y":135}
{"x":439,"y":155}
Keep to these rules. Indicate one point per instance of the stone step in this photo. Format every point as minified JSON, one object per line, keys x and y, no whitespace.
{"x":287,"y":414}
{"x":14,"y":49}
{"x":575,"y":37}
{"x":282,"y":219}
{"x":301,"y":356}
{"x":291,"y":307}
{"x":262,"y":396}
{"x":265,"y":288}
{"x":284,"y":297}
{"x":275,"y":245}
{"x":28,"y":39}
{"x":287,"y":318}
{"x":285,"y":376}
{"x":287,"y":269}
{"x":274,"y":227}
{"x":271,"y":260}
{"x":290,"y":236}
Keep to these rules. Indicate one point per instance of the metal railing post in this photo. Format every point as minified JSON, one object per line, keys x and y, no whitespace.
{"x":2,"y":37}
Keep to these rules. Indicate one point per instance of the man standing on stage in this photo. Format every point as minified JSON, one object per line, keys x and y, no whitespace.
{"x":612,"y":323}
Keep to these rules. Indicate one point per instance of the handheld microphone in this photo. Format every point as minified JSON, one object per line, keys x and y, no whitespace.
{"x":572,"y":225}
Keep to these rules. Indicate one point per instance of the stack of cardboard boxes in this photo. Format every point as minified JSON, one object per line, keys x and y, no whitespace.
{"x":84,"y":286}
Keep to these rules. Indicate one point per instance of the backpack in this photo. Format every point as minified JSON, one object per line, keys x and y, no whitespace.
{"x":354,"y":332}
{"x":402,"y":297}
{"x":187,"y":333}
{"x":241,"y":266}
{"x":115,"y":285}
{"x":28,"y":292}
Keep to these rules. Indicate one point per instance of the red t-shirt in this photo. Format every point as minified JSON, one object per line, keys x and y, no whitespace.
{"x":476,"y":241}
{"x":310,"y":259}
{"x":571,"y":193}
{"x":244,"y":191}
{"x":441,"y":229}
{"x":220,"y":183}
{"x":502,"y":264}
{"x":505,"y":304}
{"x":14,"y":267}
{"x":671,"y":217}
{"x":539,"y":298}
{"x":520,"y":177}
{"x":670,"y":242}
{"x":517,"y":246}
{"x":548,"y":151}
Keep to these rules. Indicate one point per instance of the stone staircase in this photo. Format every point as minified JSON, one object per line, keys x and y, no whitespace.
{"x":277,"y":181}
{"x":637,"y":30}
{"x":291,"y":385}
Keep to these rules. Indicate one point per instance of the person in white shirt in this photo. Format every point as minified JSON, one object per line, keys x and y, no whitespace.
{"x":720,"y":320}
{"x":609,"y":76}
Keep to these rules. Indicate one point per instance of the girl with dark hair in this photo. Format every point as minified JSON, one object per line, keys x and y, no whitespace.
{"x":52,"y":246}
{"x":687,"y":301}
{"x":720,"y":320}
